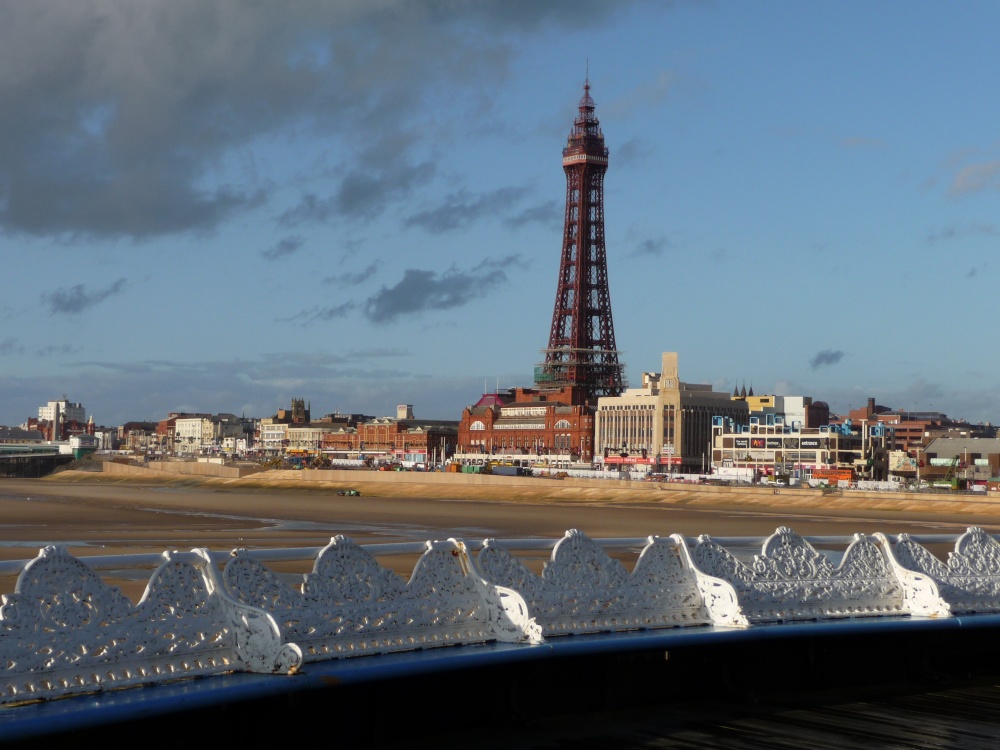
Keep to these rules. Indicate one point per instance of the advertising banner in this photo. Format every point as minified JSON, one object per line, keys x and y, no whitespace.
{"x":627,"y":460}
{"x":899,"y":461}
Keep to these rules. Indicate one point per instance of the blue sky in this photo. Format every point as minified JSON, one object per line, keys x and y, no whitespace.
{"x":217,"y":206}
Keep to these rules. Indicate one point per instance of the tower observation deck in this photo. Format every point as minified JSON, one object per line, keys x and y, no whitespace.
{"x":581,"y":354}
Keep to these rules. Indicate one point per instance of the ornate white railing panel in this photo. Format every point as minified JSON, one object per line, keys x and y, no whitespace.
{"x":65,"y":631}
{"x":583,"y":590}
{"x":969,"y":582}
{"x":350,"y":605}
{"x":790,"y":580}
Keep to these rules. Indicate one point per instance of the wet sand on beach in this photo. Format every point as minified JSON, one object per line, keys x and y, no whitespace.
{"x":102,"y":518}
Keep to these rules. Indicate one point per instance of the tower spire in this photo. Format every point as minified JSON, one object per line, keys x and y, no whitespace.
{"x":582,"y":352}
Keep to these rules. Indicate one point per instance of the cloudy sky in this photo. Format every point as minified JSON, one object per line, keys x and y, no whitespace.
{"x":219,"y":206}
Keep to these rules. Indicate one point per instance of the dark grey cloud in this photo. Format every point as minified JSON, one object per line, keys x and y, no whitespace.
{"x":421,"y":290}
{"x":286,"y":246}
{"x":140,"y":120}
{"x":321,"y":313}
{"x":649,"y":93}
{"x":360,"y":195}
{"x":351,"y":279}
{"x":548,"y":214}
{"x":651,"y":246}
{"x":956,"y":232}
{"x":56,"y":350}
{"x":11,"y":345}
{"x":644,"y":245}
{"x":377,"y":353}
{"x":462,"y":208}
{"x":825,"y":358}
{"x":634,"y":151}
{"x":77,"y":298}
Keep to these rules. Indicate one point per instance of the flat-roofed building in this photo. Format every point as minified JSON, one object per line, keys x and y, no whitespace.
{"x":830,"y":453}
{"x":664,"y":425}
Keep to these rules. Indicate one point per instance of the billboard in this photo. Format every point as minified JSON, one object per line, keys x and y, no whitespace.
{"x":899,"y":461}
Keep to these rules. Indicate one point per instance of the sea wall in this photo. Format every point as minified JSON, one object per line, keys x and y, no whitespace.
{"x":179,"y":468}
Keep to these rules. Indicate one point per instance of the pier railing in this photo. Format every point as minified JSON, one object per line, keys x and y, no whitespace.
{"x":64,"y":630}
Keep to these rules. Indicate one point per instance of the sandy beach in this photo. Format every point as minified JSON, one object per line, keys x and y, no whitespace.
{"x":91,"y":514}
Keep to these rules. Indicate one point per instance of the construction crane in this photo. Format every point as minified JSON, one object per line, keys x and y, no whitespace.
{"x":951,"y":467}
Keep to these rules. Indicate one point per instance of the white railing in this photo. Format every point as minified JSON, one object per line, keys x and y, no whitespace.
{"x":65,"y":631}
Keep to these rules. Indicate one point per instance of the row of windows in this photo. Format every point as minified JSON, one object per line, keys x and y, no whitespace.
{"x":562,"y":424}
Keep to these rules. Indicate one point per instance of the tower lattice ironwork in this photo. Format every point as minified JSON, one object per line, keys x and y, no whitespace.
{"x":581,"y":351}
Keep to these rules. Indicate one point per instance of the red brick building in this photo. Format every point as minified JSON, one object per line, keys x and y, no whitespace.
{"x":406,"y":441}
{"x":547,"y":424}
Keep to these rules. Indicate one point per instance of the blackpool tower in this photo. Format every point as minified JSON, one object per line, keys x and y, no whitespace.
{"x":581,"y":354}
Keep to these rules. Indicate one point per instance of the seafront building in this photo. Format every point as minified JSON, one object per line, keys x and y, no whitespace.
{"x":665,"y":425}
{"x":795,"y":411}
{"x":772,"y":449}
{"x":953,"y":461}
{"x":210,"y":433}
{"x":60,"y":420}
{"x":527,"y":426}
{"x":403,"y":441}
{"x":64,"y":409}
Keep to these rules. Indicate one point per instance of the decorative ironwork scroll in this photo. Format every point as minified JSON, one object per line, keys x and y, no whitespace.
{"x":968,"y":582}
{"x":583,"y":590}
{"x":349,"y":605}
{"x":790,"y":580}
{"x":65,"y":631}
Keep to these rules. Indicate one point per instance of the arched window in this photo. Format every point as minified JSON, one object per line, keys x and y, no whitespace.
{"x":562,"y":424}
{"x":477,"y":426}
